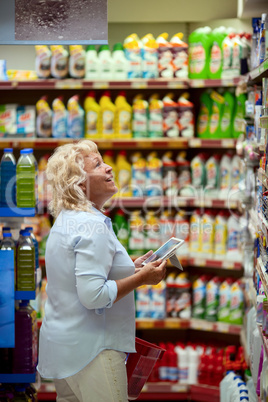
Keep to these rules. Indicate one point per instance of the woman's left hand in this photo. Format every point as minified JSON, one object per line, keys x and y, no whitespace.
{"x":138,"y":262}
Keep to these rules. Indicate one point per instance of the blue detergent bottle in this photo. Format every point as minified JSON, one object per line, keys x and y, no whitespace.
{"x":8,"y":179}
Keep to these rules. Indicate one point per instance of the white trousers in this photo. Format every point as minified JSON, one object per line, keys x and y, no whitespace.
{"x":102,"y":380}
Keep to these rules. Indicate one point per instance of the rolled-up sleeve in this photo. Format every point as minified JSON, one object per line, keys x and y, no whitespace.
{"x":94,"y":254}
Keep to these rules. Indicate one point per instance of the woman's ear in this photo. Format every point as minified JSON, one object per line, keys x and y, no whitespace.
{"x":83,"y":187}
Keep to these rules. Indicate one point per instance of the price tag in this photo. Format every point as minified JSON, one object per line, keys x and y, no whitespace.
{"x":228,"y":143}
{"x":195,"y":142}
{"x":68,"y":84}
{"x":198,"y":83}
{"x":228,"y":265}
{"x":100,"y":85}
{"x":104,"y":144}
{"x":223,"y":328}
{"x":144,"y":144}
{"x":172,"y":324}
{"x":139,"y":84}
{"x":176,"y":84}
{"x":199,"y":262}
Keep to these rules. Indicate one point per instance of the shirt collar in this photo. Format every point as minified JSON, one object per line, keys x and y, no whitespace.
{"x":105,"y":219}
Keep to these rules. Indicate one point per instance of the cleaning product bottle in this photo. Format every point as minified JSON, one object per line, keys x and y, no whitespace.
{"x":140,"y":117}
{"x":143,"y":301}
{"x":220,"y":236}
{"x":149,"y":55}
{"x":216,"y":56}
{"x":233,"y":238}
{"x":108,"y":110}
{"x":43,"y":118}
{"x":122,"y":117}
{"x":225,"y":175}
{"x":236,"y":303}
{"x":198,"y":171}
{"x":239,"y":115}
{"x":226,"y":121}
{"x":26,"y":179}
{"x":227,"y":52}
{"x":186,"y":116}
{"x":123,"y":168}
{"x":212,"y":175}
{"x":8,"y":243}
{"x":155,"y":117}
{"x":152,"y":231}
{"x":207,"y":234}
{"x":136,"y":242}
{"x":216,"y":114}
{"x":138,"y":175}
{"x":224,"y":300}
{"x":199,"y":52}
{"x":170,"y":178}
{"x":166,"y":222}
{"x":202,"y":125}
{"x":235,"y":172}
{"x":59,"y":61}
{"x":42,"y":61}
{"x":263,"y":44}
{"x":77,"y":61}
{"x":120,"y":226}
{"x":195,"y":233}
{"x":25,"y":275}
{"x":59,"y":118}
{"x":92,"y":63}
{"x":158,"y":300}
{"x":75,"y":118}
{"x":25,"y":351}
{"x":180,"y":56}
{"x":183,"y":296}
{"x":184,"y":173}
{"x":165,"y":56}
{"x":120,"y":63}
{"x":154,"y":175}
{"x":182,"y":231}
{"x":106,"y":63}
{"x":170,"y":116}
{"x":35,"y":243}
{"x":132,"y":46}
{"x":212,"y":299}
{"x":92,"y":117}
{"x":8,"y":179}
{"x":199,"y":297}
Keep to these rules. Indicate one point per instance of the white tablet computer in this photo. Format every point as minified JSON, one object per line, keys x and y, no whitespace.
{"x":166,"y":251}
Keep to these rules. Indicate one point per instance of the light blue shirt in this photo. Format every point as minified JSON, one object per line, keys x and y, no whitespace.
{"x":83,"y":260}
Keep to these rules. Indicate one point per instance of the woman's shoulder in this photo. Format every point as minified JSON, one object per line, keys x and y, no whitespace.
{"x":80,"y":217}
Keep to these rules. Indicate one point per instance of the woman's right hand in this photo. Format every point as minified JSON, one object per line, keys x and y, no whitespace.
{"x":154,"y":272}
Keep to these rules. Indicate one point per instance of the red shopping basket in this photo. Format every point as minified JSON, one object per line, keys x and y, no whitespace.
{"x":140,"y":365}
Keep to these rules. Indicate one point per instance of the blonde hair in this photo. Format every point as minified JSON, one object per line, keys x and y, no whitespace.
{"x":65,"y":172}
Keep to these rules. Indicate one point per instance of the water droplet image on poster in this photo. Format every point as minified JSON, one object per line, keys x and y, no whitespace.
{"x":61,"y":20}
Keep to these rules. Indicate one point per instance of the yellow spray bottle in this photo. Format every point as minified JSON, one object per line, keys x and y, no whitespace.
{"x":108,"y":110}
{"x":123,"y":117}
{"x":92,"y":117}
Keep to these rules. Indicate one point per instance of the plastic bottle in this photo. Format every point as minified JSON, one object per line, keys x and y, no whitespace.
{"x":92,"y":63}
{"x":158,"y":304}
{"x":170,"y":179}
{"x":106,"y":63}
{"x":154,"y":175}
{"x":132,"y":46}
{"x":225,"y":175}
{"x":183,"y":296}
{"x":149,"y":55}
{"x":212,"y":175}
{"x":92,"y":117}
{"x":152,"y":231}
{"x":42,"y":61}
{"x":236,"y":304}
{"x":216,"y":114}
{"x":216,"y":59}
{"x":239,"y":115}
{"x":184,"y":173}
{"x":143,"y":301}
{"x":170,"y":294}
{"x":199,"y":297}
{"x":202,"y":126}
{"x":25,"y":351}
{"x":140,"y":117}
{"x":59,"y":118}
{"x":136,"y":243}
{"x":180,"y":56}
{"x":7,"y":243}
{"x":170,"y":117}
{"x":183,"y":363}
{"x":233,"y":238}
{"x":166,"y":222}
{"x":155,"y":117}
{"x":224,"y":300}
{"x":235,"y":172}
{"x":193,"y":358}
{"x":182,"y":231}
{"x":123,"y":168}
{"x":195,"y":233}
{"x":108,"y":110}
{"x":123,"y":117}
{"x":224,"y":385}
{"x":26,"y":176}
{"x":59,"y":61}
{"x":207,"y":234}
{"x":186,"y":116}
{"x":226,"y":121}
{"x":36,"y":245}
{"x":25,"y":279}
{"x":227,"y":49}
{"x":262,"y":44}
{"x":220,"y":236}
{"x":120,"y":63}
{"x":8,"y":179}
{"x":77,"y":61}
{"x":75,"y":118}
{"x":198,"y":171}
{"x":253,"y":62}
{"x":199,"y":52}
{"x":212,"y":299}
{"x":43,"y":118}
{"x":237,"y":54}
{"x":138,"y":175}
{"x":120,"y":226}
{"x":165,"y":56}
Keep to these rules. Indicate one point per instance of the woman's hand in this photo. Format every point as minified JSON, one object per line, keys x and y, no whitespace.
{"x":138,"y":262}
{"x":154,"y":272}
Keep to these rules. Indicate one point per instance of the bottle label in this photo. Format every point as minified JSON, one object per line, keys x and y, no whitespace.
{"x":124,"y":122}
{"x":108,"y":122}
{"x":225,"y":121}
{"x":197,"y":58}
{"x":91,"y":123}
{"x":203,"y":120}
{"x":214,"y":119}
{"x":139,"y":122}
{"x":215,"y":58}
{"x":156,"y":122}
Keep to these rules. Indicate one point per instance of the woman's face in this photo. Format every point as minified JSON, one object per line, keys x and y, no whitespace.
{"x":99,"y":186}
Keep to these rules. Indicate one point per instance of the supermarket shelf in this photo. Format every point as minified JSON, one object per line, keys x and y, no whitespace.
{"x":16,"y":212}
{"x":25,"y":294}
{"x":220,"y":327}
{"x":211,"y":263}
{"x":263,"y":275}
{"x":204,"y":393}
{"x":263,"y":177}
{"x":229,"y":143}
{"x":17,"y":378}
{"x":255,"y":76}
{"x":206,"y":83}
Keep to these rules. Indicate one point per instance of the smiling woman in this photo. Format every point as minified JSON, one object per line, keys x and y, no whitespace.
{"x":89,"y":322}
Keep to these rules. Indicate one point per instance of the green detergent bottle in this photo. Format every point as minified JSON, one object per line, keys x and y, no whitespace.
{"x":239,"y":115}
{"x":216,"y":53}
{"x":216,"y":114}
{"x":25,"y":262}
{"x":226,"y":123}
{"x":199,"y":52}
{"x":120,"y":226}
{"x":202,"y":125}
{"x":26,"y":173}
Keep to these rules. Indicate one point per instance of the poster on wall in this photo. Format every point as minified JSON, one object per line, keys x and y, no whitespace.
{"x":66,"y":22}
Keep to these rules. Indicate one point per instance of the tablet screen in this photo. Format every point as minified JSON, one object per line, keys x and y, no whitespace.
{"x":168,"y":248}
